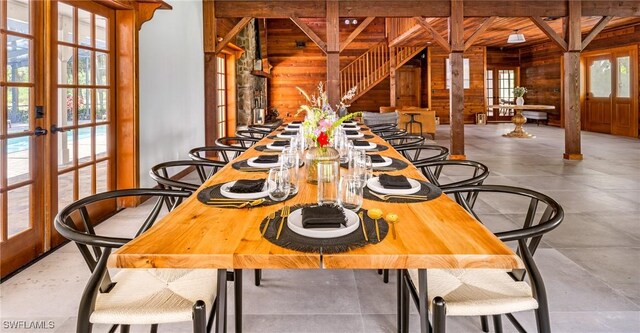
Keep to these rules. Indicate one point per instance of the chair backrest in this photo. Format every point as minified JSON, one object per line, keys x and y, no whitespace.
{"x":385,"y":109}
{"x":404,"y":140}
{"x":204,"y":169}
{"x":236,"y":141}
{"x":208,"y":153}
{"x":475,"y":172}
{"x":74,"y":223}
{"x":252,"y":133}
{"x":390,"y":132}
{"x":375,"y":118}
{"x":423,"y":153}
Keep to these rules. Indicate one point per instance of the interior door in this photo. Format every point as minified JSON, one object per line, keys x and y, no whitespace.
{"x":500,"y":84}
{"x":21,"y":134}
{"x":599,"y":86}
{"x":82,"y":131}
{"x":408,"y":86}
{"x":624,"y":113}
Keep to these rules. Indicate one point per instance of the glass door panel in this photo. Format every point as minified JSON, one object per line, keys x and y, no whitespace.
{"x":599,"y":89}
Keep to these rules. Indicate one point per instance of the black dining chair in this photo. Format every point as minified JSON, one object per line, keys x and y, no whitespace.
{"x":404,"y":140}
{"x":423,"y":153}
{"x":392,"y":132}
{"x":137,"y":296}
{"x":251,"y":132}
{"x":375,"y":129}
{"x":161,"y":173}
{"x":236,"y":141}
{"x":216,"y":153}
{"x":466,"y":172}
{"x":491,"y":292}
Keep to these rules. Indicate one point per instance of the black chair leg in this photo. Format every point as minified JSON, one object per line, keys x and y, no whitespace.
{"x":439,"y":315}
{"x":385,"y":276}
{"x":154,"y":328}
{"x":405,"y":302}
{"x":199,"y":317}
{"x":257,"y":277}
{"x":399,"y":310}
{"x":379,"y":272}
{"x":484,"y":321}
{"x":237,"y":289}
{"x":497,"y":323}
{"x":542,"y":319}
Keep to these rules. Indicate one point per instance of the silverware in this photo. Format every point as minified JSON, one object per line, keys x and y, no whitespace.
{"x":254,"y":169}
{"x":385,"y":169}
{"x":386,"y":197}
{"x":284,"y":214}
{"x":364,"y":228}
{"x":377,"y":230}
{"x":237,"y":203}
{"x":269,"y":218}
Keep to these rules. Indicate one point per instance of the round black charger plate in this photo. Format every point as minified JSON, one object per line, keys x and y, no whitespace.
{"x":293,"y":241}
{"x":213,"y":192}
{"x":396,"y":165}
{"x":427,"y":189}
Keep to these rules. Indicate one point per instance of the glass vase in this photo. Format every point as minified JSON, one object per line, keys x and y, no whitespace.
{"x":316,"y":155}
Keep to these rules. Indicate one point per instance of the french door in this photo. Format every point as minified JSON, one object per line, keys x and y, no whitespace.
{"x":500,"y":84}
{"x":56,"y":139}
{"x":611,"y":92}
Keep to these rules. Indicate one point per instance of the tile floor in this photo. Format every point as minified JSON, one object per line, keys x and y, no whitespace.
{"x":590,"y":263}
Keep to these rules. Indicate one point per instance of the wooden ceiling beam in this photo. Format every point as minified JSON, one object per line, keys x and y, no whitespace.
{"x":546,"y":28}
{"x":310,"y":33}
{"x":232,"y":33}
{"x":436,"y":35}
{"x":356,"y":32}
{"x":596,"y":30}
{"x":481,"y":29}
{"x":423,"y":8}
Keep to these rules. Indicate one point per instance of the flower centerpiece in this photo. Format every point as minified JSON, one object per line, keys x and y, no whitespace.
{"x":519,"y":93}
{"x":319,"y":125}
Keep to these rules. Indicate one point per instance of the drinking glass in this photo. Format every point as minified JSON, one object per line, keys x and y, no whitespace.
{"x":328,"y":173}
{"x":342,"y":145}
{"x":279,"y":184}
{"x":350,"y":193}
{"x":291,"y":162}
{"x":361,"y":167}
{"x":356,"y":157}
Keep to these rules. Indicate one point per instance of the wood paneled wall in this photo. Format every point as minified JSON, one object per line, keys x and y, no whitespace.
{"x":504,"y":57}
{"x":540,"y":67}
{"x":305,"y":67}
{"x":474,"y":97}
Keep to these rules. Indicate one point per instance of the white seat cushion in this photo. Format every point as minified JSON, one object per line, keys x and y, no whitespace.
{"x":155,"y":296}
{"x":477,"y":292}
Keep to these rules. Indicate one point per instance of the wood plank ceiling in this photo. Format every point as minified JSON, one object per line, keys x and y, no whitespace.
{"x":498,"y":32}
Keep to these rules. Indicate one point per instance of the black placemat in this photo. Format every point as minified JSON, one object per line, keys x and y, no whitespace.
{"x":396,"y":165}
{"x":213,"y":192}
{"x":266,"y":149}
{"x":293,"y":241}
{"x":427,"y":189}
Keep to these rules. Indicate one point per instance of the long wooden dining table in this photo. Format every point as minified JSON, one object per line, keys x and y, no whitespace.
{"x":436,"y":234}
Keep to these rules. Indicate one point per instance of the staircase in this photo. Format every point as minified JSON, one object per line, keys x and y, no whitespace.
{"x":373,"y":66}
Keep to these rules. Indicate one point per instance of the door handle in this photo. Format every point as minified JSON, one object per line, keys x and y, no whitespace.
{"x":55,"y":129}
{"x":40,"y":131}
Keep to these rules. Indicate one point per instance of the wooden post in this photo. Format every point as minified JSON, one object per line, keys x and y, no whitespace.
{"x":210,"y":72}
{"x":456,"y":91}
{"x":333,"y":52}
{"x":392,"y":76}
{"x":572,"y":83}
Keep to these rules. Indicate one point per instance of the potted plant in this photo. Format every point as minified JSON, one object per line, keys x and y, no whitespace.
{"x":519,"y":93}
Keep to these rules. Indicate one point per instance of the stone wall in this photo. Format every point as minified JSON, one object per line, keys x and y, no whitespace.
{"x":249,"y":86}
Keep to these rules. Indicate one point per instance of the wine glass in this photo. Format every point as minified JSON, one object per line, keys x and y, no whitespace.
{"x":350,"y":193}
{"x":279,"y":184}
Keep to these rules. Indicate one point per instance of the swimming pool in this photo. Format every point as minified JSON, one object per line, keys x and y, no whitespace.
{"x":22,"y":143}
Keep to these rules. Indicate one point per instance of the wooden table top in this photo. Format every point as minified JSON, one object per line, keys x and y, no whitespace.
{"x":434,"y":234}
{"x":523,"y":107}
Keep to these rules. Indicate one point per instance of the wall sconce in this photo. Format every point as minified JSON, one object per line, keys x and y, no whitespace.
{"x":350,"y":21}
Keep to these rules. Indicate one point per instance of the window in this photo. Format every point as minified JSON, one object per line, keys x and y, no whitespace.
{"x":624,"y":77}
{"x":465,"y":73}
{"x":222,"y":96}
{"x":490,"y":94}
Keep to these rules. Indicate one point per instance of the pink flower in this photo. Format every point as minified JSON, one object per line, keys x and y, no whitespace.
{"x":324,"y":123}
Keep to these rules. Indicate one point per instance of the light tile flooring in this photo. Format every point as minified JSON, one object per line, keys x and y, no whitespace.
{"x":590,"y":263}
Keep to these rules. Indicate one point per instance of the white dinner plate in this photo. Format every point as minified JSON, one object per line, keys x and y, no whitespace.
{"x":359,"y":135}
{"x":282,"y":136}
{"x":374,"y":185}
{"x":292,"y":128}
{"x":224,"y":190}
{"x":371,"y":146}
{"x":295,"y":224}
{"x":387,"y":162}
{"x":272,"y":147}
{"x":251,"y":162}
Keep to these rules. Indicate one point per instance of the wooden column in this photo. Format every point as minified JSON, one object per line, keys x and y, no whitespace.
{"x":333,"y":52}
{"x":572,"y":83}
{"x":392,"y":76}
{"x":456,"y":91}
{"x":210,"y":72}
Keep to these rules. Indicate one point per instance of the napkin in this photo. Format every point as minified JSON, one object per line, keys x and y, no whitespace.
{"x":394,"y":182}
{"x":375,"y":158}
{"x":247,"y":186}
{"x":347,"y":126}
{"x":349,"y":122}
{"x":266,"y":159}
{"x":351,"y":133}
{"x":296,"y":122}
{"x":360,"y":143}
{"x":289,"y":133}
{"x":323,"y":217}
{"x":280,"y":143}
{"x":294,"y":125}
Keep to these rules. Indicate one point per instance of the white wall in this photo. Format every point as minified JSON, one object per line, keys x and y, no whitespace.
{"x":171,"y":85}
